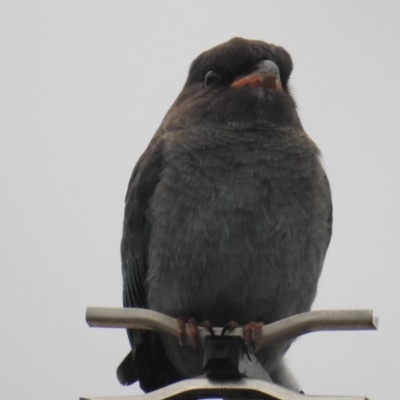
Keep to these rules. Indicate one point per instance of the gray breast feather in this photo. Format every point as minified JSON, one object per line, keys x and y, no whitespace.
{"x":238,"y":237}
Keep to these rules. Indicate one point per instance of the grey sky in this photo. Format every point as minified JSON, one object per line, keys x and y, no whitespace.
{"x":83,"y":87}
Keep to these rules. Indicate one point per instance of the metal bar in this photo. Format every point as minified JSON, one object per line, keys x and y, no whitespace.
{"x":206,"y":387}
{"x":314,"y":321}
{"x":288,"y":328}
{"x":132,"y":318}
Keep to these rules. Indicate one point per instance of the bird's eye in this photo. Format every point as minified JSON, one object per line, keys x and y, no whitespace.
{"x":211,"y":79}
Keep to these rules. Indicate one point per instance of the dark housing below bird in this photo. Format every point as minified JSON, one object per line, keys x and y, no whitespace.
{"x":228,"y":212}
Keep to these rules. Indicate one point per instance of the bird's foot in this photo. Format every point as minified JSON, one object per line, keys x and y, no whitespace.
{"x":193,"y":331}
{"x":251,"y":332}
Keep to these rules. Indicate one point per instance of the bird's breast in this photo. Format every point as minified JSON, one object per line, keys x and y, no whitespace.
{"x":231,"y":221}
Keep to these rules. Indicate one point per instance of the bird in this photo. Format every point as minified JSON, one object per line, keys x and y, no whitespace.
{"x":228,"y":213}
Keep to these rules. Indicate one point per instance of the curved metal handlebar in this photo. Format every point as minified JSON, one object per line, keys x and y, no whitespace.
{"x":288,"y":328}
{"x":204,"y":387}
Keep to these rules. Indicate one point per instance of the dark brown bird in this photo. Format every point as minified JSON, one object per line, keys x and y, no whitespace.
{"x":228,"y":212}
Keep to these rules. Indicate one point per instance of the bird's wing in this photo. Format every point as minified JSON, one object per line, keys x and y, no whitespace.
{"x":135,"y":238}
{"x":148,"y":362}
{"x":330,"y":213}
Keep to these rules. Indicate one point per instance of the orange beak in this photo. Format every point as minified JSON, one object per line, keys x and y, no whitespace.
{"x":266,"y":75}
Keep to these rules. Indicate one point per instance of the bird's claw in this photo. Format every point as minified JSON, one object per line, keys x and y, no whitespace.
{"x":193,"y":331}
{"x":207,"y":326}
{"x":229,"y":327}
{"x":181,"y":330}
{"x":252,"y":333}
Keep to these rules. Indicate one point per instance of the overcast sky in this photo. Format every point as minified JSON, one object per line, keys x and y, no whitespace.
{"x":83,"y":87}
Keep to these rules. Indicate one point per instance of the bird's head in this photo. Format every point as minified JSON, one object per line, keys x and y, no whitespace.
{"x":238,"y":82}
